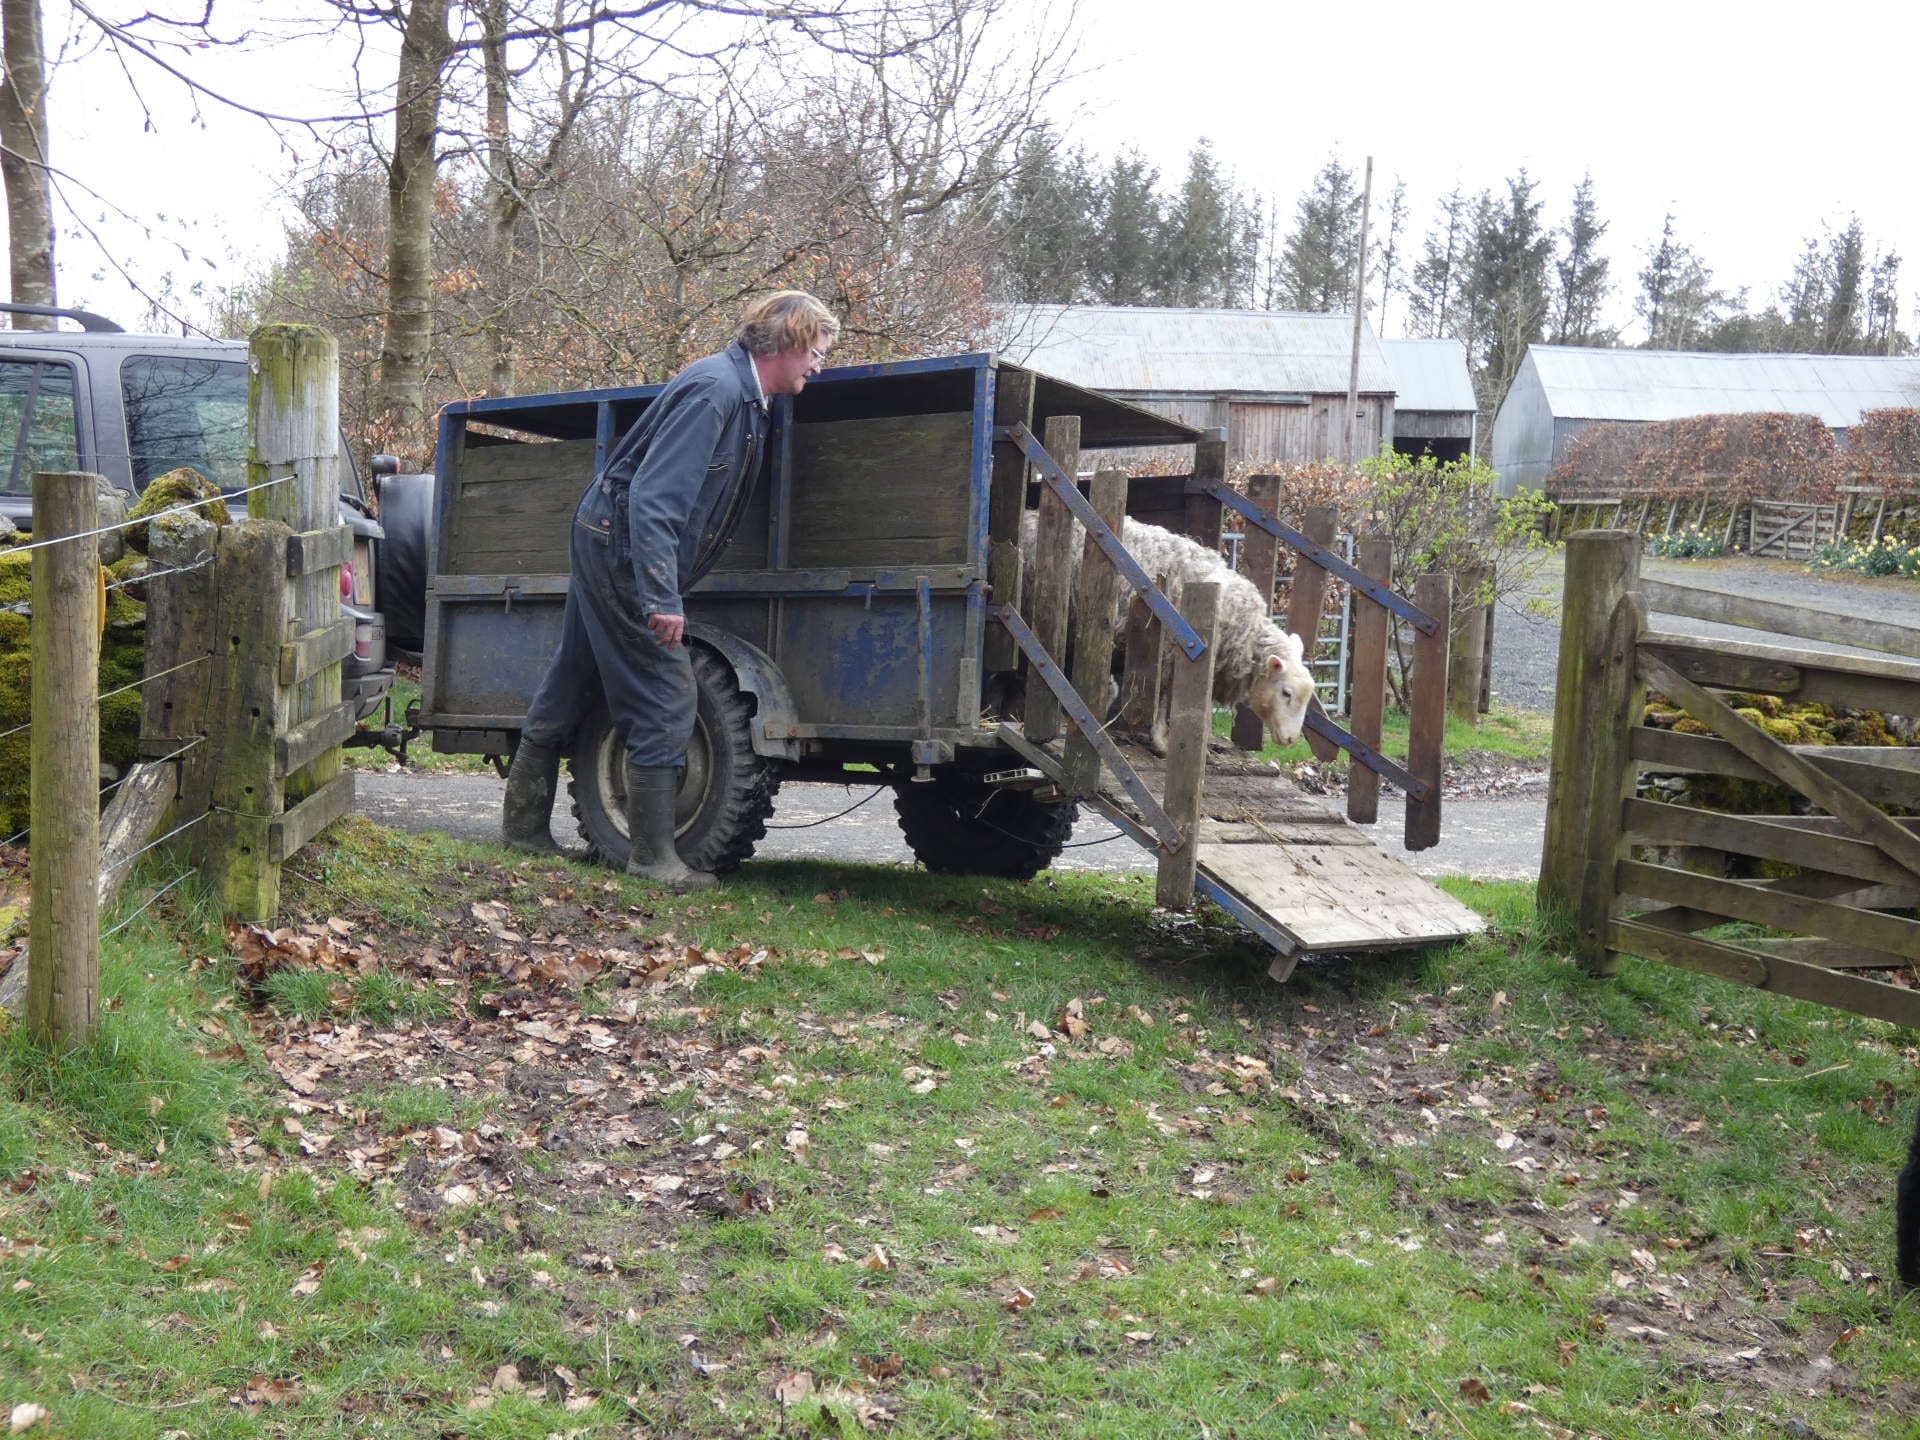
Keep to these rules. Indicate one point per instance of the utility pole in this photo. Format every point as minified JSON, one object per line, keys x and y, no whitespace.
{"x":1359,"y":315}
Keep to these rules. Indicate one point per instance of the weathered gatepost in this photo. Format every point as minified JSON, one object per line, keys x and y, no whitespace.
{"x":266,"y":772}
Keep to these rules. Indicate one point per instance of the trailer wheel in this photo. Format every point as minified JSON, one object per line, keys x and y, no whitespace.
{"x":958,"y":825}
{"x":726,"y":792}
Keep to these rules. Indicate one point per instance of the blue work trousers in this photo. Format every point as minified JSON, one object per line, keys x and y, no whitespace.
{"x":607,"y":651}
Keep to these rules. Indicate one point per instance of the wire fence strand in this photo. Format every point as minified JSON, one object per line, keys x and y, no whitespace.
{"x":153,"y":844}
{"x":183,"y":509}
{"x":146,"y":905}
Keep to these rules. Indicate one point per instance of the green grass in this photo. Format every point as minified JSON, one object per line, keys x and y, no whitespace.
{"x":1256,"y":1209}
{"x":1518,"y":735}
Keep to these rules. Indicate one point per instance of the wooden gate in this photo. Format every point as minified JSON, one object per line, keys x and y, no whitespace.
{"x":1813,"y":897}
{"x":1790,"y":530}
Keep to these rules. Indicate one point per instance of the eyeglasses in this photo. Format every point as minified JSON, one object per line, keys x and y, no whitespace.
{"x":820,"y":356}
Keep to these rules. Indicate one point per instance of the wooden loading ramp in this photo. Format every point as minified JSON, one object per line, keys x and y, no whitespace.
{"x":1291,"y":868}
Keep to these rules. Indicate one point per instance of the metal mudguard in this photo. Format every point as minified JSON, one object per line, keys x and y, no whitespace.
{"x":758,"y":675}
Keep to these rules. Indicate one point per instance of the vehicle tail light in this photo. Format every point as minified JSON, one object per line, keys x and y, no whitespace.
{"x":346,"y":581}
{"x":363,"y":641}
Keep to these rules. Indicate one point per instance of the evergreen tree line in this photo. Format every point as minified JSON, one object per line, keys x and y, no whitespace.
{"x":1491,"y":270}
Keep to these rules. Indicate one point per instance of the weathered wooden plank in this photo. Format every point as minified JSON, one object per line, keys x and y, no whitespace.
{"x":287,"y":834}
{"x":1097,"y":597}
{"x":1259,"y":560}
{"x":886,"y":491}
{"x":299,"y":365}
{"x":1828,"y":954}
{"x":324,"y":549}
{"x":301,"y":745}
{"x":1785,"y":765}
{"x":1340,"y":897}
{"x":1802,"y":915}
{"x":1140,"y":668}
{"x":1601,"y":566}
{"x":1794,"y":620}
{"x":1615,"y":708}
{"x":1867,"y":683}
{"x":1006,"y":501}
{"x":1189,"y":724}
{"x":1427,"y":710}
{"x":1052,"y":571}
{"x":246,"y":713}
{"x":312,"y":651}
{"x":1306,"y":599}
{"x":1778,"y":973}
{"x":1203,"y":511}
{"x":1367,"y":677}
{"x":525,"y":463}
{"x":1884,"y":784}
{"x":1780,"y":840}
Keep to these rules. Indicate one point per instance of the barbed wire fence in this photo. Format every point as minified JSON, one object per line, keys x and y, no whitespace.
{"x":241,"y":707}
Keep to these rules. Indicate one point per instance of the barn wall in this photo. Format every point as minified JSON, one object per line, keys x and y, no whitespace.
{"x":1525,"y":437}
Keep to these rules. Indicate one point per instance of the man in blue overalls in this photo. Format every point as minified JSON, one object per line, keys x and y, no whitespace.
{"x":651,"y":524}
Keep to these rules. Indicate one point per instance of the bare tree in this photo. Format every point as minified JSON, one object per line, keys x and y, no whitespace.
{"x":23,"y":160}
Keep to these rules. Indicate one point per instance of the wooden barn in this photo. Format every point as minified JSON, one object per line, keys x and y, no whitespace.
{"x":1275,"y":382}
{"x":1435,"y":411}
{"x":1562,"y":389}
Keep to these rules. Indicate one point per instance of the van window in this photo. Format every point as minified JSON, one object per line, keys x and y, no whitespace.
{"x":186,"y":412}
{"x":37,"y":429}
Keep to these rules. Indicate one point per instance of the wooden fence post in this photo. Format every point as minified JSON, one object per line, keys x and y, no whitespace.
{"x":1306,"y":598}
{"x":1097,"y":597}
{"x":1007,"y":499}
{"x":1189,"y":727}
{"x":1259,"y":557}
{"x":1601,"y":566}
{"x":1372,"y":627}
{"x":1053,"y":569}
{"x":1140,"y":669}
{"x":63,"y":929}
{"x":1427,"y":709}
{"x":1465,"y":659}
{"x":1612,"y":716}
{"x":1203,"y":511}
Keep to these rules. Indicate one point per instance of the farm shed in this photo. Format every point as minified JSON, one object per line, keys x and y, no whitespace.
{"x":1435,"y":411}
{"x":1275,"y":382}
{"x":1562,"y":389}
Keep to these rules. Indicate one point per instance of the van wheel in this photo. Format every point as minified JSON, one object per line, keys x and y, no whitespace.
{"x":726,"y":791}
{"x":956,"y":824}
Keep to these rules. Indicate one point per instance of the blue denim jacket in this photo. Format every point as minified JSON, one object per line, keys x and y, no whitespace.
{"x":674,"y":488}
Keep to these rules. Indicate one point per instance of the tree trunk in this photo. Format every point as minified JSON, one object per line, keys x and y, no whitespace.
{"x":503,"y":198}
{"x":23,"y":161}
{"x":424,"y":51}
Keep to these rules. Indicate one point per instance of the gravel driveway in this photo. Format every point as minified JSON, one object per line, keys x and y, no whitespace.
{"x":1526,"y":648}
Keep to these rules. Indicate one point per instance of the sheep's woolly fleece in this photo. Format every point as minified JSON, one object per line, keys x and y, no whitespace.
{"x":1255,"y":660}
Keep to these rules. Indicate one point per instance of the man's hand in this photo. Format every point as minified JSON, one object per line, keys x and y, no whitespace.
{"x":667,"y":629}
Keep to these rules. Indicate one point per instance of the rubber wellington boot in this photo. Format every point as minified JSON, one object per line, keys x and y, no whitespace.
{"x":526,"y":816}
{"x":651,"y":793}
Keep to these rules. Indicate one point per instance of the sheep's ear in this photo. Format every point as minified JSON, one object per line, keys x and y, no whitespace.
{"x":1295,"y":646}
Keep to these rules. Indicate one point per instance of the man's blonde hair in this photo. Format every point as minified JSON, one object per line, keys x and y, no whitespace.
{"x":785,"y":320}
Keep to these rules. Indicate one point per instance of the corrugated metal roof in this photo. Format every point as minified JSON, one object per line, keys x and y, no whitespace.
{"x":1430,"y":375}
{"x":1145,"y":350}
{"x":1668,"y":384}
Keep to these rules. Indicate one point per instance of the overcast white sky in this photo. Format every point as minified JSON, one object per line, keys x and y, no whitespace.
{"x":1753,"y":122}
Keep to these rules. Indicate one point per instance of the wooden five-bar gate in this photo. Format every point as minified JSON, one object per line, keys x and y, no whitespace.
{"x":1813,"y":898}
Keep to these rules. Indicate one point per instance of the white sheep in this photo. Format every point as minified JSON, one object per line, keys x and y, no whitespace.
{"x":1254,"y":659}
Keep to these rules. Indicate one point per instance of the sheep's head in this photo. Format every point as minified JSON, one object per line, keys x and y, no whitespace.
{"x":1282,"y":687}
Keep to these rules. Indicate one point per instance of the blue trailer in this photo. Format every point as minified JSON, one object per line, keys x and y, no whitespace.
{"x":852,"y":626}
